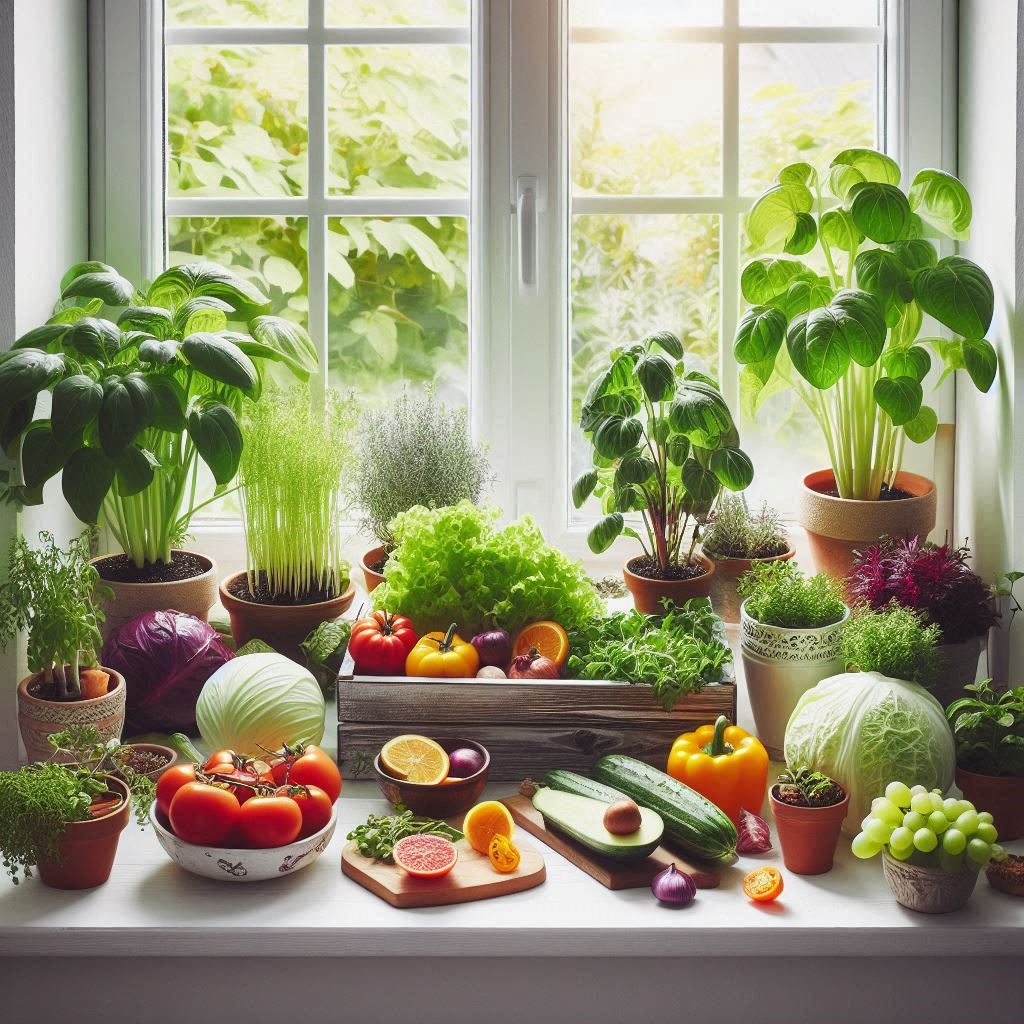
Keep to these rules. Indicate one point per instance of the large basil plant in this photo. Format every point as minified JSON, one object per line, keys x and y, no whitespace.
{"x":845,"y":337}
{"x":665,"y":445}
{"x":143,"y":386}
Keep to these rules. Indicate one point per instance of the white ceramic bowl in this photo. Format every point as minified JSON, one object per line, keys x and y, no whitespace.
{"x":243,"y":865}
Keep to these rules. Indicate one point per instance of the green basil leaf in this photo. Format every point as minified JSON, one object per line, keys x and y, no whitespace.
{"x":907,"y":362}
{"x":766,"y":279}
{"x":805,"y":234}
{"x":980,"y":361}
{"x":667,"y":342}
{"x":95,"y":338}
{"x":604,"y":532}
{"x":635,"y":468}
{"x":41,"y":454}
{"x":732,"y":467}
{"x":899,"y":397}
{"x":13,"y":420}
{"x":760,"y":334}
{"x":188,"y":316}
{"x":915,"y":254}
{"x":86,"y":480}
{"x":159,"y":353}
{"x":678,"y":449}
{"x":94,"y":280}
{"x":884,"y":276}
{"x":126,"y":411}
{"x":838,"y":230}
{"x":879,"y":211}
{"x":859,"y":315}
{"x":806,"y":294}
{"x":44,"y":337}
{"x":177,"y":284}
{"x":153,"y":320}
{"x":853,"y":166}
{"x":958,"y":294}
{"x":942,"y":202}
{"x":772,"y":220}
{"x":26,"y":372}
{"x":76,"y":403}
{"x":218,"y":439}
{"x":583,"y":487}
{"x":824,"y":358}
{"x":283,"y":341}
{"x":628,"y":498}
{"x":800,"y":173}
{"x":922,"y":426}
{"x":656,"y":376}
{"x":616,"y":436}
{"x":701,"y":485}
{"x":135,"y":468}
{"x":699,"y":412}
{"x":169,"y":401}
{"x":222,"y":360}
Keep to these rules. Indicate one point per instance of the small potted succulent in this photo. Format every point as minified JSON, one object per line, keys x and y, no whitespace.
{"x":53,"y":593}
{"x":64,"y":816}
{"x":809,"y":809}
{"x":735,"y":537}
{"x":988,"y":728}
{"x":935,"y":581}
{"x":416,"y":451}
{"x":665,"y":445}
{"x":791,"y":634}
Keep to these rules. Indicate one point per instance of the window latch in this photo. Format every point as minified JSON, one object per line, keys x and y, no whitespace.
{"x":529,"y":204}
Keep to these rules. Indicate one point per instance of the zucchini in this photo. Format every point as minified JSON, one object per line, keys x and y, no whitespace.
{"x":582,"y":818}
{"x":692,"y":820}
{"x":572,"y":782}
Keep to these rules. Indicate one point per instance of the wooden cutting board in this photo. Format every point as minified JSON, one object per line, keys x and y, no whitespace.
{"x":472,"y":878}
{"x":613,"y":874}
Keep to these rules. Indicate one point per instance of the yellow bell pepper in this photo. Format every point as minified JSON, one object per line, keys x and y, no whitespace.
{"x":442,"y":656}
{"x":723,"y":763}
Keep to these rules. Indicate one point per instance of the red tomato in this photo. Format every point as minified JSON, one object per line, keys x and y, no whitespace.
{"x":170,"y":782}
{"x":203,"y":814}
{"x":314,"y":804}
{"x":246,"y":773}
{"x":267,"y":821}
{"x":380,"y":644}
{"x":308,"y":766}
{"x":219,"y":757}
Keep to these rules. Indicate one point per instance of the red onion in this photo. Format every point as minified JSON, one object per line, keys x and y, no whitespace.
{"x":494,"y":647}
{"x":533,"y":666}
{"x":673,"y":887}
{"x":754,"y":834}
{"x":464,"y":762}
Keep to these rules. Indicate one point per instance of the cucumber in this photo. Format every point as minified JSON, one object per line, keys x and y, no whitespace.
{"x":582,"y":818}
{"x":572,"y":782}
{"x":692,"y":820}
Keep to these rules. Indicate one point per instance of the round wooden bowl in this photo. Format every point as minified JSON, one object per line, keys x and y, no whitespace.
{"x":444,"y":799}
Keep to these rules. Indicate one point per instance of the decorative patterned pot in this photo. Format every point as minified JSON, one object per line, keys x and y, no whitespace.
{"x":928,"y":890}
{"x":780,"y":665}
{"x":372,"y":557}
{"x":647,"y":593}
{"x":1001,"y":795}
{"x":38,"y":717}
{"x":724,"y":598}
{"x":958,"y":666}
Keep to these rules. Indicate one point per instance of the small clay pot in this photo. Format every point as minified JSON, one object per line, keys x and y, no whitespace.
{"x":283,"y":626}
{"x":724,"y":598}
{"x":1001,"y":795}
{"x":87,"y":848}
{"x":373,"y":557}
{"x":647,"y":593}
{"x":928,"y":890}
{"x":836,"y":527}
{"x":808,"y":835}
{"x":157,"y":748}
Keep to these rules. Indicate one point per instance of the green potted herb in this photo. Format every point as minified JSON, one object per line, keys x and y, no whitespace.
{"x":145,"y":387}
{"x":735,"y":537}
{"x":293,"y":468}
{"x":809,"y":808}
{"x":988,"y":728}
{"x":415,"y":451}
{"x":893,"y":641}
{"x":65,"y":819}
{"x":664,"y":446}
{"x":847,"y":341}
{"x":791,"y":632}
{"x":53,"y":593}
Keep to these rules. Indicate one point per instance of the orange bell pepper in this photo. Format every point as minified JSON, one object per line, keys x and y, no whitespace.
{"x":723,"y":763}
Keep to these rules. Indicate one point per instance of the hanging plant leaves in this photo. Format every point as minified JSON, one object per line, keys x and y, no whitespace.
{"x":13,"y":421}
{"x":76,"y":403}
{"x":958,"y":294}
{"x":922,"y":426}
{"x":583,"y":487}
{"x":899,"y":397}
{"x":941,"y":201}
{"x":760,"y":334}
{"x":980,"y":361}
{"x":667,"y":342}
{"x":87,"y":477}
{"x":284,"y":341}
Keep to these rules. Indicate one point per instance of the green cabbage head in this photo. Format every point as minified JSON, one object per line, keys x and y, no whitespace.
{"x":866,"y":730}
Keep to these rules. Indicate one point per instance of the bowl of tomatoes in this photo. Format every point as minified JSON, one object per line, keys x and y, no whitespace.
{"x":243,"y":819}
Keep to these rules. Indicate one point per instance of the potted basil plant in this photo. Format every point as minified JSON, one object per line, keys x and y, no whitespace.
{"x":848,"y":342}
{"x":145,"y":386}
{"x":665,"y":445}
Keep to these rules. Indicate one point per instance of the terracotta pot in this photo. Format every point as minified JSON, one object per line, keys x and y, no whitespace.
{"x":647,"y":594}
{"x":195,"y":596}
{"x":1001,"y":795}
{"x":372,"y":557}
{"x":780,"y":665}
{"x":158,"y":748}
{"x":283,"y":626}
{"x":928,"y":890}
{"x":958,"y":666}
{"x":724,"y":598}
{"x":808,"y":835}
{"x":836,"y":527}
{"x":38,"y":717}
{"x":88,"y":848}
{"x":1005,"y":875}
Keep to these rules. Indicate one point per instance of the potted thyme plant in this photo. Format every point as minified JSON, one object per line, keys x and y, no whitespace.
{"x":53,"y":593}
{"x":809,"y":809}
{"x":293,"y":469}
{"x":145,"y":387}
{"x":735,"y":537}
{"x":665,"y":445}
{"x":416,"y":451}
{"x":847,"y":341}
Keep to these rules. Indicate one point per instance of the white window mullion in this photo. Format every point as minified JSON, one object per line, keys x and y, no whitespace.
{"x":729,"y":226}
{"x":316,"y":186}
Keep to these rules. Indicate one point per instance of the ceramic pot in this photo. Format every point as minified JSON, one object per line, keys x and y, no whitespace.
{"x":958,"y":666}
{"x":87,"y":848}
{"x":158,"y":748}
{"x":283,"y":626}
{"x":195,"y":596}
{"x":780,"y":665}
{"x":647,"y":594}
{"x":372,"y":557}
{"x":1001,"y":795}
{"x":836,"y":527}
{"x":724,"y":598}
{"x":928,"y":890}
{"x":808,"y":835}
{"x":38,"y":717}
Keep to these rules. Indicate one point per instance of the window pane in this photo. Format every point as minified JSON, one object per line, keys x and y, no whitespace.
{"x":398,"y":305}
{"x":398,"y":120}
{"x":236,"y":120}
{"x":648,"y":14}
{"x":184,"y":13}
{"x":398,"y":12}
{"x":802,"y":102}
{"x":646,"y":118}
{"x":809,"y":12}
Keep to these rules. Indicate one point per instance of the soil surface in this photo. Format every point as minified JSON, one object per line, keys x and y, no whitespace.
{"x":43,"y":691}
{"x":772,"y":552}
{"x":884,"y":493}
{"x":378,"y":566}
{"x":239,"y":587}
{"x":647,"y":567}
{"x":791,"y":795}
{"x":121,"y":569}
{"x":142,"y":762}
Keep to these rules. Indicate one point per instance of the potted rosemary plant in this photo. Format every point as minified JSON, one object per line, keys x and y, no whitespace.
{"x":297,"y":454}
{"x":809,"y":809}
{"x":847,"y":341}
{"x":665,"y":445}
{"x":145,"y":387}
{"x":52,"y":592}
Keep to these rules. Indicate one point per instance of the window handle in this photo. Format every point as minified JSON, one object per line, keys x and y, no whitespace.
{"x":526,"y":222}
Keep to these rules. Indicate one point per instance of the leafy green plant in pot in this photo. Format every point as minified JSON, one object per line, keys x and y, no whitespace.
{"x":809,"y":808}
{"x":145,"y":387}
{"x":53,"y":593}
{"x":791,"y":636}
{"x":848,"y":342}
{"x":665,"y":445}
{"x":988,"y":729}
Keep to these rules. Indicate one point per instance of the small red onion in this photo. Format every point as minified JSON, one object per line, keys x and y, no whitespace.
{"x":533,"y":666}
{"x":673,"y":887}
{"x":754,"y":834}
{"x":494,"y":646}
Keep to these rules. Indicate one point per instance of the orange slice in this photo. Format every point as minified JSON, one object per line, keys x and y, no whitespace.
{"x":548,"y":638}
{"x":415,"y":759}
{"x":484,"y":822}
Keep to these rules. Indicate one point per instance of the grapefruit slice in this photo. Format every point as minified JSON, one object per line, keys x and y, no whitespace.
{"x":413,"y":758}
{"x":425,"y":856}
{"x":549,"y":639}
